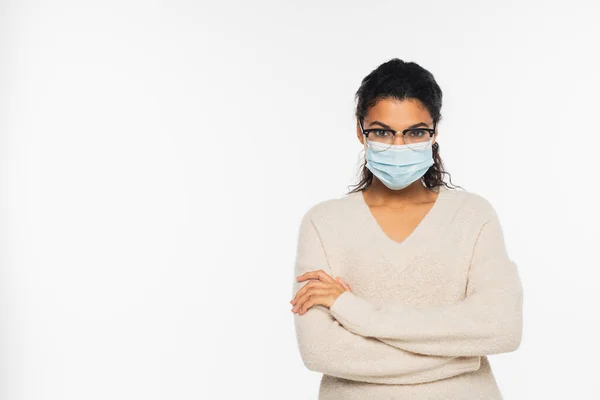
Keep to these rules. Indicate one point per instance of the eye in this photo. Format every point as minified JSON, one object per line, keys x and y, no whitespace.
{"x":418,"y":133}
{"x":381,"y":133}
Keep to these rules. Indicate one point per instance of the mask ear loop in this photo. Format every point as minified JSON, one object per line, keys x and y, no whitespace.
{"x":432,"y":136}
{"x":365,"y":138}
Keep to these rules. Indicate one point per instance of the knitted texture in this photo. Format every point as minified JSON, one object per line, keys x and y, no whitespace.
{"x":423,"y":313}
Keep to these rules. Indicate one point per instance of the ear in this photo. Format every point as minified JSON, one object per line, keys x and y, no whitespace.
{"x":359,"y":134}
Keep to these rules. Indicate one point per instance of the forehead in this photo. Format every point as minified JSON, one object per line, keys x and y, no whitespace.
{"x":398,"y":113}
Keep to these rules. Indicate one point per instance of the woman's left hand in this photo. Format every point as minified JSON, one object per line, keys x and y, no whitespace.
{"x":321,"y":290}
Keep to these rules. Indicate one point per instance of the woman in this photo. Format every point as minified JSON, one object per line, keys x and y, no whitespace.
{"x":404,"y":285}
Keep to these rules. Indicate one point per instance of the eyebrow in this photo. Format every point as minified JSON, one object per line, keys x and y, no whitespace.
{"x":389,"y":127}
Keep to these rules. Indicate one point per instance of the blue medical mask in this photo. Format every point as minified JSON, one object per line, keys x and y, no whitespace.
{"x":397,"y":166}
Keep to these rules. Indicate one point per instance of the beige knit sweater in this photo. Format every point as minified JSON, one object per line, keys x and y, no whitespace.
{"x":423,"y":314}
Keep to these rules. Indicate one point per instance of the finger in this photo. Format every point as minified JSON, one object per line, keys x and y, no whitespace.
{"x":318,"y":274}
{"x":344,"y":284}
{"x":305,"y":288}
{"x":314,"y":300}
{"x":308,"y":304}
{"x":314,"y":291}
{"x":319,"y":293}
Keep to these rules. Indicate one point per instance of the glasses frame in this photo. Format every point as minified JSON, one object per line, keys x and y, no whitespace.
{"x":404,"y":132}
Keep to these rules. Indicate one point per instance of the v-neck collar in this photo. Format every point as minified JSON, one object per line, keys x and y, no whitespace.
{"x":425,"y":221}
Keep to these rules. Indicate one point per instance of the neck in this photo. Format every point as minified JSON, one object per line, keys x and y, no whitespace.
{"x":413,"y":193}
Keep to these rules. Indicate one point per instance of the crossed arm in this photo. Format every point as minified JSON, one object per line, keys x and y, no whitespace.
{"x":354,"y":339}
{"x":327,"y":346}
{"x":488,"y":321}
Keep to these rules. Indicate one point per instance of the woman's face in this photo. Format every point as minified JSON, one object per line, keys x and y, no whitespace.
{"x":396,"y":115}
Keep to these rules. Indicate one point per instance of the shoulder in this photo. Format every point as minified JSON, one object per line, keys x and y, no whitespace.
{"x":475,"y":204}
{"x":332,"y":209}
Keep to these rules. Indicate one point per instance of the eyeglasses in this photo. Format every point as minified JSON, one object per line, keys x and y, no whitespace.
{"x":380,"y":139}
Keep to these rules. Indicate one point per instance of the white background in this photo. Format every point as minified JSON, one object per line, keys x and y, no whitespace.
{"x":157,"y":158}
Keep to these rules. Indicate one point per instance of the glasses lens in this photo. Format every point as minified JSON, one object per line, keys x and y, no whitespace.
{"x":417,"y":139}
{"x":380,"y":140}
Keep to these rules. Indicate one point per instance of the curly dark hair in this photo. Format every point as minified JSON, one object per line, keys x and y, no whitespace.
{"x":400,"y":80}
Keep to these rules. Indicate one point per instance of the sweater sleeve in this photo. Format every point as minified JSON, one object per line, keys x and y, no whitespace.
{"x":327,"y":347}
{"x":487,"y":321}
